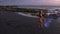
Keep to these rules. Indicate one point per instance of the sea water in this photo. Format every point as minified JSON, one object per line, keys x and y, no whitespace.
{"x":40,"y":7}
{"x":47,"y":22}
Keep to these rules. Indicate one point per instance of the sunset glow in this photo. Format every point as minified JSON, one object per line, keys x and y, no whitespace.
{"x":50,"y":2}
{"x":30,"y":2}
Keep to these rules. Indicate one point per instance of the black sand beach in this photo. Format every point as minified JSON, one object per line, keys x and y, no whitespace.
{"x":13,"y":23}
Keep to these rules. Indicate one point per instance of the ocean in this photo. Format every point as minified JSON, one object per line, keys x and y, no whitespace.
{"x":40,"y":7}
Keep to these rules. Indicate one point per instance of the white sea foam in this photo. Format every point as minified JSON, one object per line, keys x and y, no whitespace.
{"x":27,"y":15}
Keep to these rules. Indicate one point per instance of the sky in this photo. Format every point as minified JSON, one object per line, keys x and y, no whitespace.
{"x":30,"y":2}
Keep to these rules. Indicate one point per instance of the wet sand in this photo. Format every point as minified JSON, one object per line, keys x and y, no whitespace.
{"x":54,"y":27}
{"x":13,"y":23}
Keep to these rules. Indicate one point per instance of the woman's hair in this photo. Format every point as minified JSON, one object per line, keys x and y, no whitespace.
{"x":40,"y":12}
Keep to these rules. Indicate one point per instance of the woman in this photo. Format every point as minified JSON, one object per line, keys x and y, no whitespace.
{"x":41,"y":19}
